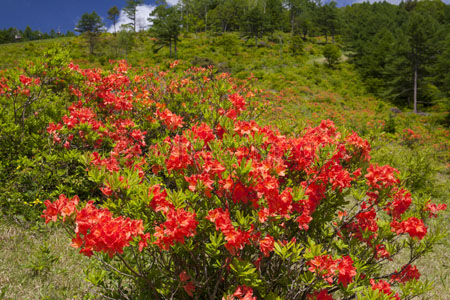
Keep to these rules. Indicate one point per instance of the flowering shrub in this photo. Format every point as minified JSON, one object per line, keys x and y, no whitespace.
{"x":200,"y":201}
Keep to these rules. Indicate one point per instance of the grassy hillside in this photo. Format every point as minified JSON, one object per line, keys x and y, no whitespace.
{"x":302,"y":90}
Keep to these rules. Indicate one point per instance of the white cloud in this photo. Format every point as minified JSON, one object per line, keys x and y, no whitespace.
{"x":143,"y":12}
{"x":396,"y":2}
{"x":172,"y":2}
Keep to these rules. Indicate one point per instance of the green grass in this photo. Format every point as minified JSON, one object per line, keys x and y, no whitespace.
{"x":37,"y":262}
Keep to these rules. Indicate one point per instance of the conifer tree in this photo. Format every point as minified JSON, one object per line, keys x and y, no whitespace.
{"x":131,"y":11}
{"x":91,"y":25}
{"x":166,"y":25}
{"x":113,"y":13}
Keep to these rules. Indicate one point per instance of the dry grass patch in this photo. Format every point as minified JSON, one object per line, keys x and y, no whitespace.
{"x":37,"y":262}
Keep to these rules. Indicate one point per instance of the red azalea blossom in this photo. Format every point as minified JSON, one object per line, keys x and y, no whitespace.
{"x":188,"y":286}
{"x":266,"y":245}
{"x":413,"y":226}
{"x":61,"y":207}
{"x":408,"y":273}
{"x":385,"y":288}
{"x":379,"y":177}
{"x":402,"y":201}
{"x":171,"y":120}
{"x":346,"y":270}
{"x":97,"y":230}
{"x":243,"y":293}
{"x":381,"y":252}
{"x":179,"y":225}
{"x":322,"y":295}
{"x":25,"y":80}
{"x":433,"y":208}
{"x":159,"y":201}
{"x":362,"y":145}
{"x":236,"y":238}
{"x":324,"y":266}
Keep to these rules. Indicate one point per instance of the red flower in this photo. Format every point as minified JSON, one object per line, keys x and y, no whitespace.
{"x":381,"y":252}
{"x":402,"y":201}
{"x":362,"y":145}
{"x":434,"y":208}
{"x":413,"y":226}
{"x":179,"y":225}
{"x":25,"y":80}
{"x":384,"y":287}
{"x":324,"y":266}
{"x":61,"y":207}
{"x":408,"y":273}
{"x":171,"y":120}
{"x":159,"y":201}
{"x":379,"y":177}
{"x":322,"y":295}
{"x":266,"y":245}
{"x":188,"y":286}
{"x":346,"y":270}
{"x":236,"y":238}
{"x":244,"y":293}
{"x":97,"y":230}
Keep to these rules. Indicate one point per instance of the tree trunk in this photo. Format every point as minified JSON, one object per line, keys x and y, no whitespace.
{"x":292,"y":19}
{"x":175,"y":46}
{"x":206,"y":19}
{"x":91,"y":44}
{"x":415,"y":88}
{"x":281,"y":47}
{"x":170,"y":49}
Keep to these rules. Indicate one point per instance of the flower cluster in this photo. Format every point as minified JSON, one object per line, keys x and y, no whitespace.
{"x":97,"y":230}
{"x":412,"y":226}
{"x":327,"y":267}
{"x":236,"y":238}
{"x":385,"y":288}
{"x":63,"y":206}
{"x":179,"y":225}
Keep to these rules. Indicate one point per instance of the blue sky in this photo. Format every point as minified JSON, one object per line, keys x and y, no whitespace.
{"x":45,"y":15}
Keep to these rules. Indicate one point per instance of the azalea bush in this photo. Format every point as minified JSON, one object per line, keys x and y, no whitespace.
{"x":195,"y":199}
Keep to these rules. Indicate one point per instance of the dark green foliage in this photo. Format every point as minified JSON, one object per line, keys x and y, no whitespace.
{"x":297,"y":45}
{"x":166,"y":25}
{"x":332,"y":54}
{"x":126,"y":40}
{"x":253,"y":23}
{"x":327,"y":19}
{"x":395,"y":49}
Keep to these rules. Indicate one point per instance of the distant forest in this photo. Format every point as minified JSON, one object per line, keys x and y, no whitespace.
{"x":11,"y":35}
{"x":401,"y":51}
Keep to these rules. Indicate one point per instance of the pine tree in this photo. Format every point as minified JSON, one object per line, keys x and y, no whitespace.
{"x":113,"y":13}
{"x":166,"y":25}
{"x":91,"y":25}
{"x":131,"y":10}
